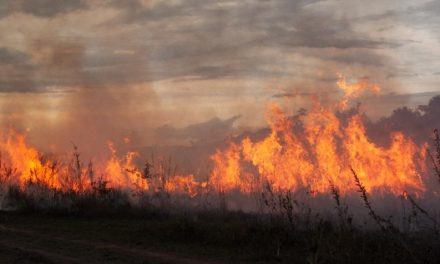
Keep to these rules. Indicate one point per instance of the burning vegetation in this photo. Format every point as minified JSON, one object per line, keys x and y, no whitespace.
{"x":286,"y":179}
{"x":313,"y":151}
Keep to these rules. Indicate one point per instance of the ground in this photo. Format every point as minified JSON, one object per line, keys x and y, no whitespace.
{"x":35,"y":237}
{"x":37,"y":240}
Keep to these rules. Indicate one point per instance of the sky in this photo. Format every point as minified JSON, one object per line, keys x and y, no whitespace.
{"x":166,"y":71}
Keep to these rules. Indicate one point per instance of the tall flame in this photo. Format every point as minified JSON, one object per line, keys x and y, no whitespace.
{"x":353,"y":90}
{"x":322,"y":155}
{"x":313,"y":151}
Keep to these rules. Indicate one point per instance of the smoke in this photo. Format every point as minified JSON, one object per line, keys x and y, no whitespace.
{"x":62,"y":101}
{"x":210,"y":130}
{"x":94,"y":71}
{"x":418,"y":123}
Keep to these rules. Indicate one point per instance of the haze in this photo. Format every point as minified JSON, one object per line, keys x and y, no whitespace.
{"x":159,"y":72}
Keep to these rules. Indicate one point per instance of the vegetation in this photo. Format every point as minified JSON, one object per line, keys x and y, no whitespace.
{"x":39,"y":224}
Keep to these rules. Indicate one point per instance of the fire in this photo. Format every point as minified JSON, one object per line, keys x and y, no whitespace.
{"x":313,"y":151}
{"x":279,"y":159}
{"x":29,"y":165}
{"x":353,"y":90}
{"x":394,"y":168}
{"x":226,"y":174}
{"x":123,"y":173}
{"x":185,"y":184}
{"x":321,"y":154}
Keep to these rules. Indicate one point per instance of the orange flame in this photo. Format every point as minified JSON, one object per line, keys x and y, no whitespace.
{"x":225,"y":175}
{"x":29,"y":164}
{"x":322,"y":155}
{"x":353,"y":90}
{"x":123,"y":173}
{"x":310,"y":152}
{"x":185,"y":184}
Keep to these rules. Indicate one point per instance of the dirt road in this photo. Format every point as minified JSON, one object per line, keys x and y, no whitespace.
{"x":29,"y":246}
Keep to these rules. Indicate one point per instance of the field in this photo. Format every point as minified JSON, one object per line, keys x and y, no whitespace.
{"x":208,"y":237}
{"x":305,"y":191}
{"x":281,"y":131}
{"x":95,"y":223}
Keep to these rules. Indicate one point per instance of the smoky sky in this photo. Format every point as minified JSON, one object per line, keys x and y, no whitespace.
{"x":104,"y":43}
{"x":109,"y":68}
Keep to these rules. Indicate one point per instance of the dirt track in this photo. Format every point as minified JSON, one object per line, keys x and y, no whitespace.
{"x":28,"y":246}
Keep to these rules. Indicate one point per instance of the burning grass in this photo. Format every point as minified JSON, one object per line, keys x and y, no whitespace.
{"x":284,"y":225}
{"x":299,"y":185}
{"x":308,"y":157}
{"x":312,"y":151}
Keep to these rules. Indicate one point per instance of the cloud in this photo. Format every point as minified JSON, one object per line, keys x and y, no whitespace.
{"x":291,"y":95}
{"x":46,"y":63}
{"x":229,"y":39}
{"x":6,"y":8}
{"x":202,"y":40}
{"x":63,"y":62}
{"x":219,"y":55}
{"x":17,"y":70}
{"x":417,"y":123}
{"x":12,"y":57}
{"x":423,"y":14}
{"x":41,"y":8}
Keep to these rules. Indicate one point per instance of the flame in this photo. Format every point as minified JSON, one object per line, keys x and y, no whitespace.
{"x":185,"y":184}
{"x":30,"y":167}
{"x":313,"y":151}
{"x":123,"y":173}
{"x":322,"y":154}
{"x":28,"y":164}
{"x":353,"y":90}
{"x":226,"y":173}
